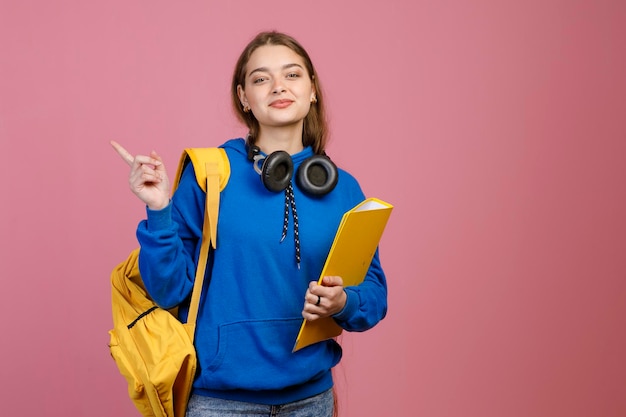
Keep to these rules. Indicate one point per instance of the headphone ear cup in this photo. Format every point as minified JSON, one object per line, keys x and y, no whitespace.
{"x":277,"y":171}
{"x":317,"y":175}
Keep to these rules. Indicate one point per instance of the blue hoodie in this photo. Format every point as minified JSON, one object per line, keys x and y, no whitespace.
{"x":250,"y":310}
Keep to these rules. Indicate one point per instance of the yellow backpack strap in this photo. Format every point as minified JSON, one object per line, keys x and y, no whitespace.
{"x":212,"y":171}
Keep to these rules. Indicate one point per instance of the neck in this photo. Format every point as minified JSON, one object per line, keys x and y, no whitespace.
{"x":288,"y":139}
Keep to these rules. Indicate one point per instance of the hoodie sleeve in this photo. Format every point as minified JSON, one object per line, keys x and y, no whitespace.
{"x":169,"y":241}
{"x":366,"y":303}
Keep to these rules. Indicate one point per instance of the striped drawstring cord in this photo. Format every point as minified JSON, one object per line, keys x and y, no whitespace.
{"x":290,"y":202}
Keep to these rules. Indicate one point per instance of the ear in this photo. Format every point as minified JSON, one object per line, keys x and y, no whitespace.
{"x":242,"y":95}
{"x":313,"y":89}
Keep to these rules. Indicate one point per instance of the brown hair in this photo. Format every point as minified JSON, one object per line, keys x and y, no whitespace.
{"x":315,"y":129}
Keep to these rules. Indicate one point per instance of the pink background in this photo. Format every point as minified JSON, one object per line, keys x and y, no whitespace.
{"x":497,"y":128}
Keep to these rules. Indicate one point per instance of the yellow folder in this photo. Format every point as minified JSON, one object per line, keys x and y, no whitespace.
{"x":350,"y":256}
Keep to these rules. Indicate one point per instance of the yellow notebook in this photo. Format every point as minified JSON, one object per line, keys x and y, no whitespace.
{"x":350,"y":256}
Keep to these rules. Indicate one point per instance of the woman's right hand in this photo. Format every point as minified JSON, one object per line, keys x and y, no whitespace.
{"x":148,"y":178}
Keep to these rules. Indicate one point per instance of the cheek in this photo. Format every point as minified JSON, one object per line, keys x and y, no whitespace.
{"x":308,"y":92}
{"x":254,"y":98}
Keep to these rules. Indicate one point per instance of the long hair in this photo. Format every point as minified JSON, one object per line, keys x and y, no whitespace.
{"x":315,"y":129}
{"x":335,"y":402}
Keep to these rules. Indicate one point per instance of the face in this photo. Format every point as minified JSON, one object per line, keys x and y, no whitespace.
{"x":278,"y":88}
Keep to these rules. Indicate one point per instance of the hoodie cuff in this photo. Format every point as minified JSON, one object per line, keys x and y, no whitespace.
{"x":159,"y":219}
{"x":352,"y":305}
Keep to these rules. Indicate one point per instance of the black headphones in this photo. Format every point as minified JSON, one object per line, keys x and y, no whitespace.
{"x":317,"y":175}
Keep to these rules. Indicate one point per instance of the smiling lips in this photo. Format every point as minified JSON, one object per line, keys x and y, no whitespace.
{"x":281,"y":104}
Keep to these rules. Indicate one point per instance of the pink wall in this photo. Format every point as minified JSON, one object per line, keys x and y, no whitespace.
{"x":497,"y":129}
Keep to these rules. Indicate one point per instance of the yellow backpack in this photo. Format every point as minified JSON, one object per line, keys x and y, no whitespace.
{"x":153,"y":350}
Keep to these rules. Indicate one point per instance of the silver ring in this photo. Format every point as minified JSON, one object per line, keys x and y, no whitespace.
{"x":318,"y":300}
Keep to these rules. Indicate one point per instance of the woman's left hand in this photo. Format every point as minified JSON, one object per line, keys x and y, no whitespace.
{"x":324,"y":300}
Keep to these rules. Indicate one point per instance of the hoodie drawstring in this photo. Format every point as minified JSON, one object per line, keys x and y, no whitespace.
{"x":290,"y":202}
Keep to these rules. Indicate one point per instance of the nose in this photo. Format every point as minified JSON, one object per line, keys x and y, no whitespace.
{"x":277,"y":87}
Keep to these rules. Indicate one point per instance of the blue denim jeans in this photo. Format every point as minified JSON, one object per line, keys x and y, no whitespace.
{"x":318,"y":406}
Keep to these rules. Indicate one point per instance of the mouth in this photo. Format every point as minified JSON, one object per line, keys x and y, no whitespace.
{"x":281,"y":104}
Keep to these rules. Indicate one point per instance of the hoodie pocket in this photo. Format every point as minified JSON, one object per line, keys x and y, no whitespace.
{"x":257,"y":355}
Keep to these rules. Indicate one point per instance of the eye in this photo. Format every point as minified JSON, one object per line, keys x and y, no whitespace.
{"x":259,"y":80}
{"x":293,"y":75}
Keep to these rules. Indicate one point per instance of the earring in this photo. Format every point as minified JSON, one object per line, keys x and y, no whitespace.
{"x":246,"y":108}
{"x":314,"y":99}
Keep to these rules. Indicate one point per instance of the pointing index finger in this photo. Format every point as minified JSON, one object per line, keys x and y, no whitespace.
{"x":126,"y":156}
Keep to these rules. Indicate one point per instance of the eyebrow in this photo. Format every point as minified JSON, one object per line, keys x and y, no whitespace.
{"x":265,"y":69}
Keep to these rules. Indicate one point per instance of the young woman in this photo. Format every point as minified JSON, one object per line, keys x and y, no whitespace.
{"x":278,"y":216}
